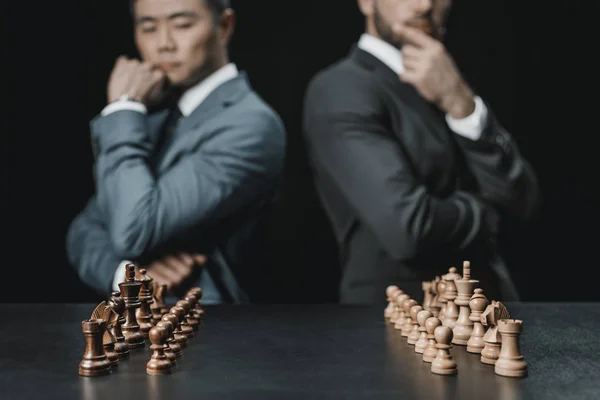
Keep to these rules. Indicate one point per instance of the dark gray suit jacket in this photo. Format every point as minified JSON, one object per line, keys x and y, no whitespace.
{"x":208,"y":192}
{"x":407,"y":198}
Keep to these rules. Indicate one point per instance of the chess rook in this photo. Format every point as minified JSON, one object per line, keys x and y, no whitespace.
{"x":130,"y":290}
{"x":94,"y":362}
{"x":510,"y":361}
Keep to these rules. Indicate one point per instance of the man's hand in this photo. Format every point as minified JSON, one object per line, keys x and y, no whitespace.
{"x":140,"y":81}
{"x":173,"y":269}
{"x":431,"y":70}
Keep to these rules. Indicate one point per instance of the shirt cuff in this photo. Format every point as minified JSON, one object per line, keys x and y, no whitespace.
{"x":119,"y":275}
{"x":472,"y":126}
{"x":120,"y":105}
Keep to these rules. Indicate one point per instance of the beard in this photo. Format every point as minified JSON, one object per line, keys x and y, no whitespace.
{"x":384,"y":30}
{"x":424,"y":23}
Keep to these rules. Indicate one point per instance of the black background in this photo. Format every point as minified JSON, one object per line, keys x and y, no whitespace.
{"x":533,"y":62}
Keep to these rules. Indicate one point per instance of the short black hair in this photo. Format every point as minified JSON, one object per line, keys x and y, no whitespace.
{"x":216,"y":6}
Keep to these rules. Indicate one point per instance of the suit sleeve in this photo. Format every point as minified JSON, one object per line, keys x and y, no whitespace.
{"x":505,"y":178}
{"x":228,"y":171}
{"x":352,"y":148}
{"x":89,"y":249}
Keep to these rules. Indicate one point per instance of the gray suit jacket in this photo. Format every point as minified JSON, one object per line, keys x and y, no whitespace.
{"x":208,"y":191}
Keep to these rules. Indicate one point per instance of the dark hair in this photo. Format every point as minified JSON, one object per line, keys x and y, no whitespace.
{"x":216,"y":6}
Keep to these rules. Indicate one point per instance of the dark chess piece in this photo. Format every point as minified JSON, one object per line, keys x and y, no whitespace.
{"x":198,"y":310}
{"x":159,"y":364}
{"x":160,"y":298}
{"x":171,"y":342}
{"x":180,"y":338}
{"x":143,"y":314}
{"x":192,"y":317}
{"x":105,"y":313}
{"x":185,"y":325}
{"x":130,"y":290}
{"x":94,"y":362}
{"x":117,"y":305}
{"x":155,"y":306}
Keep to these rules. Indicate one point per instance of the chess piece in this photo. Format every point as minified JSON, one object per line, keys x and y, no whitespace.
{"x":421,"y":343}
{"x":407,"y":325}
{"x":94,"y":362}
{"x":450,"y":294}
{"x":443,"y":363}
{"x":170,"y":321}
{"x":179,"y":315}
{"x":186,"y":328}
{"x":435,"y":305}
{"x":431,"y":351}
{"x":117,"y":305}
{"x":130,"y":290}
{"x":192,"y":318}
{"x":400,"y":313}
{"x":395,"y":311}
{"x":464,"y":326}
{"x":199,"y":310}
{"x":169,"y":352}
{"x":427,"y":296}
{"x":478,"y":303}
{"x":159,"y":364}
{"x":104,"y":313}
{"x":413,"y":336}
{"x":159,"y":298}
{"x":510,"y":361}
{"x":143,"y":314}
{"x":389,"y":291}
{"x":441,"y":289}
{"x":154,"y":306}
{"x":492,"y":339}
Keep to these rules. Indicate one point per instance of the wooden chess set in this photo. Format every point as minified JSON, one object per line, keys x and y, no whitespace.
{"x":135,"y":314}
{"x":456,"y":312}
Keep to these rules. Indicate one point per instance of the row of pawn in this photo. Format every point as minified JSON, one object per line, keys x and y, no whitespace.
{"x":456,"y":312}
{"x":135,"y":314}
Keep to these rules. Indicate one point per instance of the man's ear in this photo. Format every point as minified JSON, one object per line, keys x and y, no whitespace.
{"x":227,"y":25}
{"x":367,"y":7}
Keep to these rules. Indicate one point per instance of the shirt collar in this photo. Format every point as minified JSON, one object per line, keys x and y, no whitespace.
{"x":195,"y":95}
{"x":385,"y":52}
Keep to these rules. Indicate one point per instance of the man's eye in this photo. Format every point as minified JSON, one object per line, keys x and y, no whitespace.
{"x":148,"y":28}
{"x":183,"y":25}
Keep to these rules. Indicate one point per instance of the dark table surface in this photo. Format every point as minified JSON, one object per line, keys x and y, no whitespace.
{"x":297,"y":352}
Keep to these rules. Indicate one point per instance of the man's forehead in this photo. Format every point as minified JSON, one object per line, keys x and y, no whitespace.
{"x":166,"y":7}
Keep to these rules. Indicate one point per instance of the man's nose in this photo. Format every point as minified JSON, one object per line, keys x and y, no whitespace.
{"x":165,"y":39}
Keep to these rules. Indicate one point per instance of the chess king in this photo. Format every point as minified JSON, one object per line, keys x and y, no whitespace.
{"x":188,"y":160}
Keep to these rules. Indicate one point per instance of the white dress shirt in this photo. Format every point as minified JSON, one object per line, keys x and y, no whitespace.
{"x":189,"y":101}
{"x":470,"y":127}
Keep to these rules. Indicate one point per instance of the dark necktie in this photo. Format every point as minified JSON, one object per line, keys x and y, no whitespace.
{"x":168,"y":131}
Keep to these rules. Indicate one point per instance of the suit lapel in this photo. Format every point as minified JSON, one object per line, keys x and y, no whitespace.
{"x":410,"y":97}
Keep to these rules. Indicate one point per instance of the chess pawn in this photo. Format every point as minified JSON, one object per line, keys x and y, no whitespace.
{"x":407,"y":325}
{"x":130,"y":290}
{"x":413,"y":336}
{"x":389,"y":291}
{"x":401,"y":314}
{"x":155,"y":306}
{"x":192,"y":318}
{"x":427,"y":296}
{"x":396,"y":310}
{"x":143,"y":313}
{"x":492,"y":339}
{"x":442,"y":299}
{"x":464,"y":326}
{"x":510,"y":361}
{"x":172,"y":340}
{"x":421,"y":343}
{"x":186,"y":328}
{"x":199,"y":310}
{"x":477,"y":304}
{"x":431,"y":351}
{"x":179,"y":314}
{"x":94,"y":362}
{"x":443,"y":363}
{"x":435,"y":305}
{"x":117,"y":305}
{"x":159,"y":364}
{"x":169,"y":352}
{"x":159,"y":298}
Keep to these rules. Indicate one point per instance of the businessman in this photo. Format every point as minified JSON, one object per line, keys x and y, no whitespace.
{"x":413,"y":168}
{"x":187,"y":160}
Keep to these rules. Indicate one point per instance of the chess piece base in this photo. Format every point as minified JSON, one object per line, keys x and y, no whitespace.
{"x":511,"y":368}
{"x":98,"y":367}
{"x":159,"y":367}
